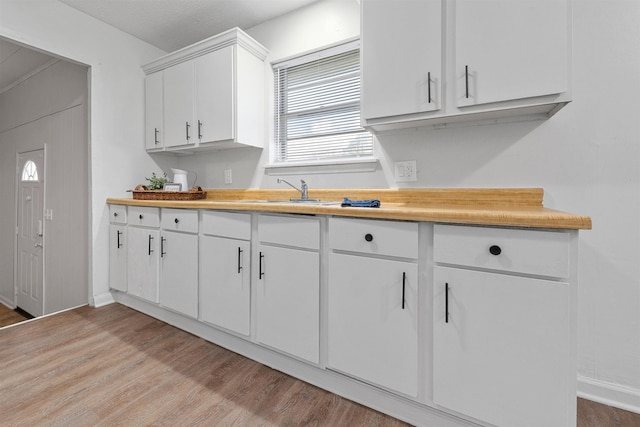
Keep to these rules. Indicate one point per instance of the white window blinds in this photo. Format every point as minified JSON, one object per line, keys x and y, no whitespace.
{"x":317,"y":109}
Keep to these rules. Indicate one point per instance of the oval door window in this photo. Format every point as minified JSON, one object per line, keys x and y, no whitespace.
{"x":30,"y":171}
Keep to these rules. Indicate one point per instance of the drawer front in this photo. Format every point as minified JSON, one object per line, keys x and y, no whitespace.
{"x":144,"y":216}
{"x":544,"y":253}
{"x":227,"y":224}
{"x":390,"y":238}
{"x":289,"y":231}
{"x":185,"y":220}
{"x":117,"y":214}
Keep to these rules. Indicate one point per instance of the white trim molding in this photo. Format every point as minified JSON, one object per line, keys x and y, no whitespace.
{"x":611,"y":394}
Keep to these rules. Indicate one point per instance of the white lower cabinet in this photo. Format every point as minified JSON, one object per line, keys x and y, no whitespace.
{"x":179,"y":261}
{"x":288,"y":285}
{"x":225,"y":270}
{"x":502,"y":343}
{"x":143,"y":253}
{"x":342,"y":302}
{"x":118,"y":257}
{"x":372,"y":308}
{"x":372,"y":314}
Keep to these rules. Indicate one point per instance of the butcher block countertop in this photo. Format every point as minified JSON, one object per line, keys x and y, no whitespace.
{"x":512,"y":207}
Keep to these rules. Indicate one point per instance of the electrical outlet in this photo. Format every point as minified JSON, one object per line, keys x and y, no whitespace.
{"x":228,"y":179}
{"x":405,"y":171}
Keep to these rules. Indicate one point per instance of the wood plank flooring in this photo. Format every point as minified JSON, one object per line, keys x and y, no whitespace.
{"x":9,"y":316}
{"x":115,"y":366}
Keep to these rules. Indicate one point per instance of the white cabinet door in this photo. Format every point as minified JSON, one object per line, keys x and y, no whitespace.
{"x":117,"y":257}
{"x":502,"y":348}
{"x":215,"y":87}
{"x":373,"y":326}
{"x":153,"y":111}
{"x":143,"y":255}
{"x":179,"y":272}
{"x":288,"y":301}
{"x":401,"y":57}
{"x":225,"y":283}
{"x":179,"y":126}
{"x":511,"y":49}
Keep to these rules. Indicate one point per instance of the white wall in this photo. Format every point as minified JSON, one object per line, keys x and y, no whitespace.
{"x":586,"y":157}
{"x":116,"y":104}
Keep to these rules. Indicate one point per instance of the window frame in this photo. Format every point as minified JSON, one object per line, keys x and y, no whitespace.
{"x":366,"y":160}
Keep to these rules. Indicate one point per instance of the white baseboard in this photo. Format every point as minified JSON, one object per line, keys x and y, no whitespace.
{"x":611,"y":394}
{"x":102,"y":299}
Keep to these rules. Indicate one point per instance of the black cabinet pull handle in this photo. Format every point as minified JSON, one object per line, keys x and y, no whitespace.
{"x":199,"y":129}
{"x":466,"y":81}
{"x":162,"y":252}
{"x":368,"y":237}
{"x":404,"y":281}
{"x":176,"y":220}
{"x":239,"y":256}
{"x":446,"y":303}
{"x":429,"y":87}
{"x":495,"y":250}
{"x":150,"y":239}
{"x":156,"y":135}
{"x":261,"y":271}
{"x":140,"y":216}
{"x":187,"y":126}
{"x":119,"y":233}
{"x":115,"y":214}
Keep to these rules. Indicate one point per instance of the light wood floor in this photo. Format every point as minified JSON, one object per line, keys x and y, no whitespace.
{"x":115,"y":366}
{"x":9,"y":316}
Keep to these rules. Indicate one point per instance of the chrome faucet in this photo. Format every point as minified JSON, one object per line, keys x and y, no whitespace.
{"x":304,"y":195}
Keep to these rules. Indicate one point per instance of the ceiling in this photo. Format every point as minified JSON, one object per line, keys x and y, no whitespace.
{"x":166,"y":24}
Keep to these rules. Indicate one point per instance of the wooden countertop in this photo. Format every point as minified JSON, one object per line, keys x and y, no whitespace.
{"x":513,"y":207}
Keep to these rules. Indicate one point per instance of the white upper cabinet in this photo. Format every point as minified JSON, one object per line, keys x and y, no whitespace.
{"x":510,"y":50}
{"x":212,"y":94}
{"x":401,"y":57}
{"x":154,"y":132}
{"x":433,"y":62}
{"x":179,"y":105}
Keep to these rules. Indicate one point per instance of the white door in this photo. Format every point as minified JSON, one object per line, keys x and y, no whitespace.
{"x":214,"y":95}
{"x":501,"y":347}
{"x":373,"y":323}
{"x":225,"y":283}
{"x":30,"y":227}
{"x":288,"y":313}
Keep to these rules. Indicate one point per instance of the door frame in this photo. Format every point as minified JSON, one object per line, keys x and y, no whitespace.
{"x":42,"y":147}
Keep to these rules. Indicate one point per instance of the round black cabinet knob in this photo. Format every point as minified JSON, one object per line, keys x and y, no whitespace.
{"x":176,"y":220}
{"x":495,"y":250}
{"x":368,"y":237}
{"x":140,"y":216}
{"x":115,"y":214}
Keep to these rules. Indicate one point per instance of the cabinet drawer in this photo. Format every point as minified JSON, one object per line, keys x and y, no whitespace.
{"x":180,"y":220}
{"x":289,"y":231}
{"x":227,"y":224}
{"x":118,"y":214}
{"x":543,"y":253}
{"x":144,"y":216}
{"x":391,"y":238}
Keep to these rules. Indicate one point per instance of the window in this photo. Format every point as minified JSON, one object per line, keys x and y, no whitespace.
{"x":30,"y":171}
{"x":317,"y":107}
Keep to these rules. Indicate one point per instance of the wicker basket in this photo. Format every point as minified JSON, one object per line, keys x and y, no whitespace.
{"x":141,"y":193}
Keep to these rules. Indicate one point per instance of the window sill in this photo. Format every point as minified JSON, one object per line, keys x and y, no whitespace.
{"x":332,"y":166}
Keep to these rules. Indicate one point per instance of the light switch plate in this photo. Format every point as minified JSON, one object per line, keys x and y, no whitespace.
{"x":228,"y":178}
